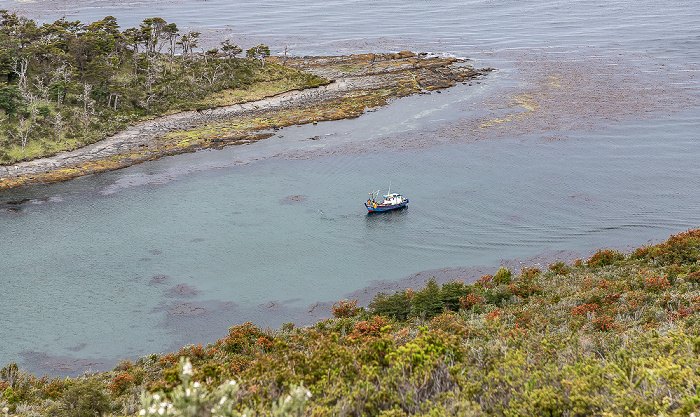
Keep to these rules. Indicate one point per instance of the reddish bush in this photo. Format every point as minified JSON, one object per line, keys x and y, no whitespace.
{"x":524,"y":289}
{"x":264,"y":342}
{"x":494,"y":315}
{"x":559,"y":268}
{"x":655,"y":283}
{"x":471,"y":300}
{"x":345,"y":309}
{"x":681,"y":248}
{"x":604,"y":323}
{"x":54,"y":388}
{"x":604,"y":257}
{"x":448,"y":322}
{"x":693,"y":277}
{"x":240,"y":338}
{"x":369,"y":328}
{"x":527,"y":274}
{"x":611,"y":298}
{"x":121,"y":383}
{"x":486,"y":281}
{"x":584,"y":308}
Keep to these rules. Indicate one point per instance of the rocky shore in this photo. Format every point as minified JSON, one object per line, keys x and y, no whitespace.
{"x":358,"y":82}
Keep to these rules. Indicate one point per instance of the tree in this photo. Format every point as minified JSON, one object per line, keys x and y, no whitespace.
{"x":171,"y":33}
{"x":152,"y":30}
{"x":59,"y":125}
{"x":58,"y":83}
{"x":27,"y":121}
{"x":133,"y":37}
{"x":7,"y":56}
{"x":260,"y":52}
{"x":230,"y":50}
{"x":10,"y":99}
{"x":88,"y":107}
{"x":284,"y":60}
{"x":20,"y":67}
{"x":188,"y":42}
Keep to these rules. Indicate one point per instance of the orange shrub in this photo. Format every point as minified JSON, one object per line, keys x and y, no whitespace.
{"x":448,"y":322}
{"x":264,"y":342}
{"x":369,"y":328}
{"x":604,"y":323}
{"x":121,"y":383}
{"x":494,"y":315}
{"x":471,"y":300}
{"x":604,"y":257}
{"x":345,"y":309}
{"x":584,"y":308}
{"x":486,"y":281}
{"x":693,"y":277}
{"x":527,"y":274}
{"x":559,"y":268}
{"x":655,"y":283}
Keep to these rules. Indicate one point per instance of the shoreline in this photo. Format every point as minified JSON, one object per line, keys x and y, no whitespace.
{"x":358,"y":82}
{"x":209,"y":315}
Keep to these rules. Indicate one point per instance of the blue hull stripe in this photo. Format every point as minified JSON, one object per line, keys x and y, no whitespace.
{"x":386,"y":208}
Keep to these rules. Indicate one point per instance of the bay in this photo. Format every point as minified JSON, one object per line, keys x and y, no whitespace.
{"x":585,"y":137}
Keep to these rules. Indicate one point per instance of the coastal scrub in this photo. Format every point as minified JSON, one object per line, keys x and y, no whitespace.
{"x":617,"y":337}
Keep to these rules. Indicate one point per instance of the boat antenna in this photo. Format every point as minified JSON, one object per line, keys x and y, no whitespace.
{"x":389,"y":192}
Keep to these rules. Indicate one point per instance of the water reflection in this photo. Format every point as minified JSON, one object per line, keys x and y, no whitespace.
{"x":374,"y":218}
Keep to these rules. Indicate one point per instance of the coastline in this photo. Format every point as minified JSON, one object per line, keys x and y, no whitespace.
{"x":358,"y":82}
{"x":207,"y":320}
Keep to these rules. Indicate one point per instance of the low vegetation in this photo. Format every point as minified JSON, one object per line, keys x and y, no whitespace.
{"x":616,"y":334}
{"x":68,"y":84}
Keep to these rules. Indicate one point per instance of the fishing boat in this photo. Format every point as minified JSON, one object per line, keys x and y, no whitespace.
{"x":392,"y":201}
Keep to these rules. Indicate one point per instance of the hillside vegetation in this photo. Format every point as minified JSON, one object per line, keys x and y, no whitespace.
{"x":616,"y":334}
{"x":67,"y":84}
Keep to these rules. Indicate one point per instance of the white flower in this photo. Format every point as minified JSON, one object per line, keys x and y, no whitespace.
{"x":161,"y":411}
{"x":223,"y":400}
{"x":232,"y":383}
{"x":187,"y":369}
{"x":142,"y":412}
{"x":197,"y":384}
{"x":188,"y":392}
{"x":156,"y":397}
{"x":287,"y":399}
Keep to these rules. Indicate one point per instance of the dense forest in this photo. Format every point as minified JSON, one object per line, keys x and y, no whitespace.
{"x":67,"y":84}
{"x":615,"y":334}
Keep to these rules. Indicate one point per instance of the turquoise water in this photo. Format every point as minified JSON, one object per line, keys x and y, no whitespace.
{"x":174,"y":251}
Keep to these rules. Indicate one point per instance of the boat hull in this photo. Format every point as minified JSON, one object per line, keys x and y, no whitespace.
{"x":372,"y":208}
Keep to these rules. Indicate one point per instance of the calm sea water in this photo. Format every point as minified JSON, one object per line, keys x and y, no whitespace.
{"x":152,"y":257}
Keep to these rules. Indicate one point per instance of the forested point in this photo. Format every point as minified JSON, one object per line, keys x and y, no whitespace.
{"x":614,"y":334}
{"x":66,"y":84}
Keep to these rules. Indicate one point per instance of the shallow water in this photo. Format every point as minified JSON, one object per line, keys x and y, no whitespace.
{"x":586,"y":137}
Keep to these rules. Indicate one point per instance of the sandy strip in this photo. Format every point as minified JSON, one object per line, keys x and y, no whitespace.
{"x":355,"y":75}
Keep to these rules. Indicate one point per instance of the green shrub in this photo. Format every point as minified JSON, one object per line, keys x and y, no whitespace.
{"x":396,"y":306}
{"x":451,"y":293}
{"x":502,"y":276}
{"x":84,"y":398}
{"x":428,"y":301}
